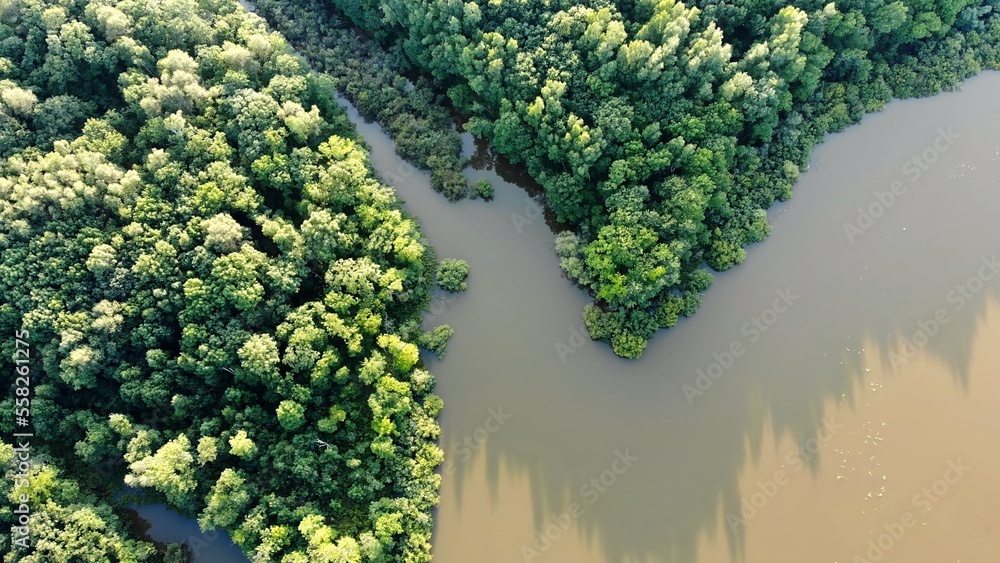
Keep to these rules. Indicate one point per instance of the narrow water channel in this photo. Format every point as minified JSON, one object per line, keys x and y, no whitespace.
{"x":849,"y":402}
{"x":163,"y":525}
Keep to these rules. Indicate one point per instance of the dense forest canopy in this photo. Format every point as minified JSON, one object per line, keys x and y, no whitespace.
{"x":662,"y":131}
{"x":222,"y":300}
{"x":417,"y":118}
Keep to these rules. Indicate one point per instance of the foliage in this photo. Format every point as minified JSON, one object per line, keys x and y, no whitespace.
{"x":67,"y":523}
{"x":375,"y":82}
{"x":211,"y":277}
{"x":661,"y":131}
{"x":437,"y":340}
{"x":484,"y":189}
{"x":451,"y":274}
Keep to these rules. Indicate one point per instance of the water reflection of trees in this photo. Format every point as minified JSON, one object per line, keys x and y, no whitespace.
{"x":485,"y":157}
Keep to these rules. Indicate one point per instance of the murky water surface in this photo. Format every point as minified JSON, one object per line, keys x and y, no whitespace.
{"x":834,"y":400}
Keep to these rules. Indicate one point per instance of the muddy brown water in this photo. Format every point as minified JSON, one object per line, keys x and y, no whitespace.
{"x":834,"y":400}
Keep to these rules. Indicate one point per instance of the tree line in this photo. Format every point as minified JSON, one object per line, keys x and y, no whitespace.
{"x":662,"y":131}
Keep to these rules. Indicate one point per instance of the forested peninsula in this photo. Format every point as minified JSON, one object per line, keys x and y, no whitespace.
{"x":214,"y":299}
{"x":662,"y":131}
{"x":210,"y":300}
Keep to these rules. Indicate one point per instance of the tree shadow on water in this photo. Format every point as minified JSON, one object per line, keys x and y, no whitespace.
{"x":576,"y":415}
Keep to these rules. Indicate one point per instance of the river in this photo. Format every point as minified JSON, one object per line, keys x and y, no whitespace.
{"x":830,"y":402}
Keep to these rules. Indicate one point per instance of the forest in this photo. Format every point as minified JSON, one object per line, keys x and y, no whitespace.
{"x":662,"y":131}
{"x":371,"y":78}
{"x":220,"y":301}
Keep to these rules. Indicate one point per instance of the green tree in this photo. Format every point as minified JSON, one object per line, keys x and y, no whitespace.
{"x":451,"y":274}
